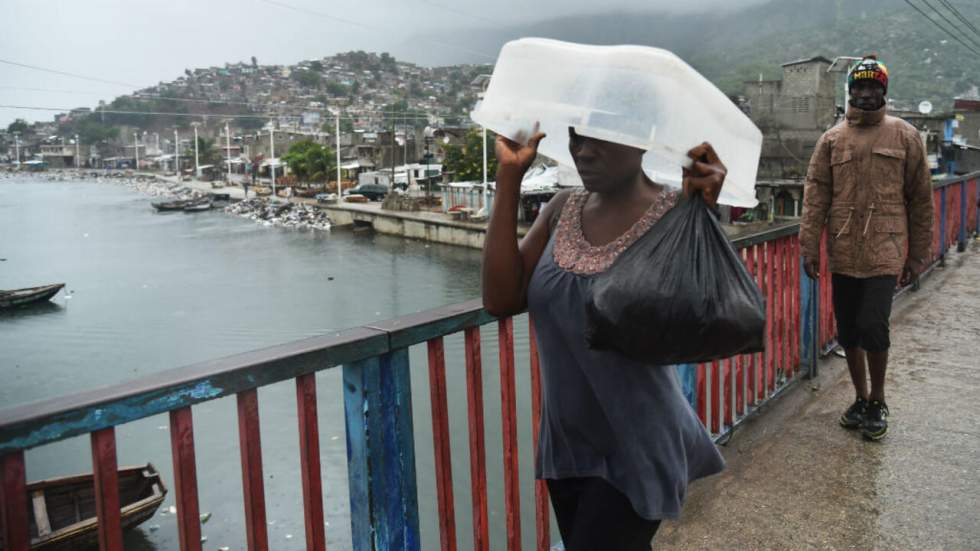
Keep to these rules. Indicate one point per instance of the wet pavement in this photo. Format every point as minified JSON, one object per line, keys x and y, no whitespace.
{"x":796,"y":480}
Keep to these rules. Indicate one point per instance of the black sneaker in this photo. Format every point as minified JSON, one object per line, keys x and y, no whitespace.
{"x":854,"y":416}
{"x":875,"y":425}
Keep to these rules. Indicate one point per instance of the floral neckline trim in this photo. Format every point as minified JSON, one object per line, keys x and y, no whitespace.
{"x":573,"y":252}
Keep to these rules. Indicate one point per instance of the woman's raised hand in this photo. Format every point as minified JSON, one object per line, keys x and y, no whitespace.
{"x":514,"y":157}
{"x":706,"y":175}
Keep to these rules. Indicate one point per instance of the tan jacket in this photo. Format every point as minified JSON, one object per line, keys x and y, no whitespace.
{"x":869,"y":183}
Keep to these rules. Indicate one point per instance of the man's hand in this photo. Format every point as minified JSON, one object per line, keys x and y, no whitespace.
{"x":909,"y":275}
{"x":706,"y":175}
{"x":812,"y":267}
{"x":514,"y":157}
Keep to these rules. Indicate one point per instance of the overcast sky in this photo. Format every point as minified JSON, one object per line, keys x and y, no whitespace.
{"x":138,"y":43}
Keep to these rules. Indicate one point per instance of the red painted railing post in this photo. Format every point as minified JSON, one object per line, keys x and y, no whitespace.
{"x":185,"y":479}
{"x":106,"y":473}
{"x":253,"y":489}
{"x":508,"y":401}
{"x":13,"y":503}
{"x":309,"y":458}
{"x":478,"y":451}
{"x":788,"y":296}
{"x":758,"y":359}
{"x":440,"y":441}
{"x":771,"y":312}
{"x":542,"y":515}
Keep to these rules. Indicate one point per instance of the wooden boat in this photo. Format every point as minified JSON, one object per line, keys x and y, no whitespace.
{"x":62,"y":510}
{"x":197,"y":207}
{"x":177,"y":204}
{"x":21,"y":297}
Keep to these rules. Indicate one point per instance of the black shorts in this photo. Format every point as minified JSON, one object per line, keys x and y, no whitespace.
{"x":862,"y":307}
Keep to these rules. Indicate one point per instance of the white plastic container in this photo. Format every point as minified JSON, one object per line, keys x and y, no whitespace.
{"x":634,"y":95}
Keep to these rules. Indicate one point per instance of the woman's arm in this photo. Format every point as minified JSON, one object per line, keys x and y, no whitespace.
{"x":507,"y":266}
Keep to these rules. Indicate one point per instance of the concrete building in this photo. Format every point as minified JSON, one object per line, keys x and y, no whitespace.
{"x":792,"y":113}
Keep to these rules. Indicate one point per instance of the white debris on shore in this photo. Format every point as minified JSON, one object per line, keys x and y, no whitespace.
{"x":287,"y":215}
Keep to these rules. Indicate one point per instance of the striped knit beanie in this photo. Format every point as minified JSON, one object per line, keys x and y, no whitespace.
{"x":869,"y":69}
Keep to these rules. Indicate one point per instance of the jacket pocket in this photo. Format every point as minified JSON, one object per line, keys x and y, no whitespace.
{"x":888,"y":172}
{"x":889,"y":243}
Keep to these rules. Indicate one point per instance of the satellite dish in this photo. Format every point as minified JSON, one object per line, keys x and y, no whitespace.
{"x":445,"y":139}
{"x":925,"y":107}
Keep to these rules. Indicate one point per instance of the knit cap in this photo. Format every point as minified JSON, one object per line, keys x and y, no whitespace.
{"x":869,"y":69}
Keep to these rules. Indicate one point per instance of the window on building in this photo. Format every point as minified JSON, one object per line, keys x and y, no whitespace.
{"x":800,"y":105}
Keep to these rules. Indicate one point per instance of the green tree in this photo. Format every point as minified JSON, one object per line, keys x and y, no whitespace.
{"x":466,"y":161}
{"x":310,"y":161}
{"x":207,"y":153}
{"x":316,"y":66}
{"x":91,"y":131}
{"x":309,"y":79}
{"x":19,"y":125}
{"x":337,"y":89}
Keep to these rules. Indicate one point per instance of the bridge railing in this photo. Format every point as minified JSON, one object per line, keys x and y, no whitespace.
{"x":378,"y":406}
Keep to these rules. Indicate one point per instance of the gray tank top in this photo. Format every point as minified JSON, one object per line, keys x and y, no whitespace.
{"x":603,"y":414}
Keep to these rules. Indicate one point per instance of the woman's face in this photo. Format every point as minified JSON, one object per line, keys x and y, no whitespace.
{"x":604,"y":166}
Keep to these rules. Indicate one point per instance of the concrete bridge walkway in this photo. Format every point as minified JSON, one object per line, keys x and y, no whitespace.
{"x":796,"y":480}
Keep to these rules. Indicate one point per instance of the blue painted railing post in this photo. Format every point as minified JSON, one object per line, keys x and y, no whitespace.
{"x":942,"y":226}
{"x":381,"y":453}
{"x":809,"y":321}
{"x":961,"y":244}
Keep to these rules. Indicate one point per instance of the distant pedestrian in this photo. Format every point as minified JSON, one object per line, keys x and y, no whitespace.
{"x":868,"y":183}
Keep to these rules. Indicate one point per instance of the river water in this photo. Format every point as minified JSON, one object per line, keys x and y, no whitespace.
{"x":151,"y":291}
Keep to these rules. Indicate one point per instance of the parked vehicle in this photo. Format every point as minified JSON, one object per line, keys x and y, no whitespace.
{"x":326,"y":197}
{"x":374,"y":192}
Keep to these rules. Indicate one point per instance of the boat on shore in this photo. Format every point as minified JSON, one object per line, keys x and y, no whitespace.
{"x":199,"y":206}
{"x":62,"y":510}
{"x":28,"y":295}
{"x":177,"y":204}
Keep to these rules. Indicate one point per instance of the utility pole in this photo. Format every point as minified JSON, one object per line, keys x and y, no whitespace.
{"x":197,"y":165}
{"x":486,"y":187}
{"x":177,"y":154}
{"x":228,"y":150}
{"x":136,"y":149}
{"x":78,"y":160}
{"x":337,"y":140}
{"x":17,"y":146}
{"x":392,"y":182}
{"x":272,"y":159}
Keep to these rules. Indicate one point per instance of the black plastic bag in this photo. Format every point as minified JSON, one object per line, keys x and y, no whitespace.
{"x":679,"y":294}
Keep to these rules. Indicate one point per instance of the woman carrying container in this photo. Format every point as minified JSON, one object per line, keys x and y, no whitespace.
{"x":618,"y":441}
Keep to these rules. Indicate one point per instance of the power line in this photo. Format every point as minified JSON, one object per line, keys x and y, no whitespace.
{"x":381,"y":115}
{"x":960,"y":16}
{"x":944,"y":29}
{"x":451,"y":9}
{"x":951,"y":24}
{"x":65,"y":73}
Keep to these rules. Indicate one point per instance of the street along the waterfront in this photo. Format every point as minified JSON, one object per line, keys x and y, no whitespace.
{"x":149,"y":291}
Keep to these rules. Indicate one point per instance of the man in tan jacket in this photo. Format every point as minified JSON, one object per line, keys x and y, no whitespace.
{"x":868,"y":184}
